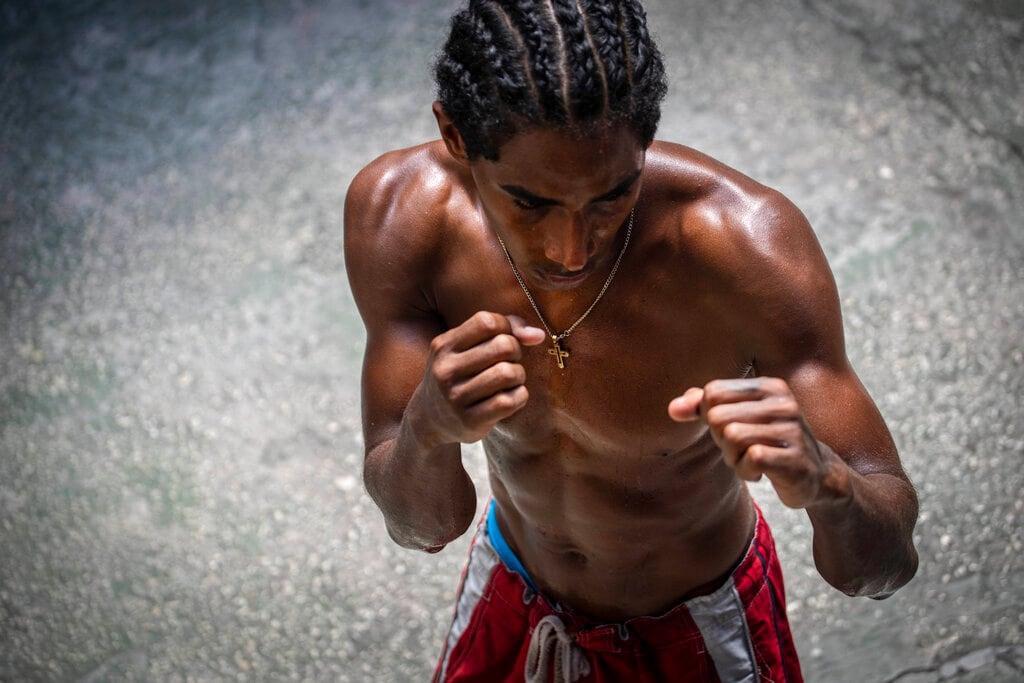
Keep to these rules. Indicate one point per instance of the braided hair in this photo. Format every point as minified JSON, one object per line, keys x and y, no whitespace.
{"x":511,"y":64}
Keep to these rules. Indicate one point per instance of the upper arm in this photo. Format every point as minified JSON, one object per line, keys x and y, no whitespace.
{"x":802,"y":342}
{"x":388,"y":254}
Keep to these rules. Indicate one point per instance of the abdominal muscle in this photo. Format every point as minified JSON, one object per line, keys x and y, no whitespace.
{"x":620,"y":535}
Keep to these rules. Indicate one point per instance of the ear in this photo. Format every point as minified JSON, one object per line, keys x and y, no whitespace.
{"x":450,"y":134}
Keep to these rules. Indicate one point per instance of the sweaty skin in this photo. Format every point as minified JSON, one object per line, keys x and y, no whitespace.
{"x":716,"y":356}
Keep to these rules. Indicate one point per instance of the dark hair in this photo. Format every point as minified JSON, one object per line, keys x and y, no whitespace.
{"x":511,"y":64}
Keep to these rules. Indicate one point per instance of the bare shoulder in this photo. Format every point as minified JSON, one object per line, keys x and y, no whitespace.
{"x":396,"y":209}
{"x":717,"y":203}
{"x":398,"y":196}
{"x":754,"y":245}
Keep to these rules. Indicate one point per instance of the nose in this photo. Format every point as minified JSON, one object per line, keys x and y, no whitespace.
{"x":570,"y":243}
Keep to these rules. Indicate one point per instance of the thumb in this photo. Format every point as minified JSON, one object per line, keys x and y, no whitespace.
{"x":686,"y":408}
{"x":526,"y":334}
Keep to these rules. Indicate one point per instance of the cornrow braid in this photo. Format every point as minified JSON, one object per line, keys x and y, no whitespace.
{"x":647,"y":73}
{"x":511,"y":64}
{"x":605,"y":22}
{"x":543,"y":53}
{"x":587,"y":87}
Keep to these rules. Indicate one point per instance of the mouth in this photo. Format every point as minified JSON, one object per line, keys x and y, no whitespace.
{"x":562,"y":280}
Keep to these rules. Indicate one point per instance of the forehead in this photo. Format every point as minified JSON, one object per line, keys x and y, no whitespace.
{"x":553,"y":161}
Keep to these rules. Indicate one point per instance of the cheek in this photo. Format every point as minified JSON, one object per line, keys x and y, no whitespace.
{"x":524,"y":239}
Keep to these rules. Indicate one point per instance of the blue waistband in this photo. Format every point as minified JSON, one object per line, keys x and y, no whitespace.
{"x":502,"y":548}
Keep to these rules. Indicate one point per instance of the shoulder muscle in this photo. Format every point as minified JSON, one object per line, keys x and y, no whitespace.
{"x":394,"y":220}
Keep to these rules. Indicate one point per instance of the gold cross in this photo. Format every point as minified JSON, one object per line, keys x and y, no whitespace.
{"x":557,"y":352}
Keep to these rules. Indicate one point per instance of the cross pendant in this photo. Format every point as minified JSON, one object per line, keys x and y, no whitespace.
{"x":558,"y":353}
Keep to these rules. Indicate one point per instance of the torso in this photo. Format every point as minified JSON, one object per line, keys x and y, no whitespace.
{"x":612,"y":507}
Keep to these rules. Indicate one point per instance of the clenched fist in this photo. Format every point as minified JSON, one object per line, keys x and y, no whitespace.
{"x":758,"y":425}
{"x":473,"y":378}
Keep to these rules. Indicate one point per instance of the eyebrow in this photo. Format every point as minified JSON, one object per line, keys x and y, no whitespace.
{"x":521,"y":192}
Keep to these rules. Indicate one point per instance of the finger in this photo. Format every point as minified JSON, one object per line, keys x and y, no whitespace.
{"x":736,"y":438}
{"x":739,"y":390}
{"x":760,"y":460}
{"x":526,"y":334}
{"x":480,"y":327}
{"x":770,"y":409}
{"x":686,"y":408}
{"x":502,"y":348}
{"x":495,"y":408}
{"x":777,"y":462}
{"x":494,"y":379}
{"x":789,"y":479}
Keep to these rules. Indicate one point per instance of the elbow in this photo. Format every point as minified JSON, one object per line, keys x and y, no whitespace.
{"x":899,"y":577}
{"x":430,"y":537}
{"x":884,"y":583}
{"x":427,"y":544}
{"x":410,"y":542}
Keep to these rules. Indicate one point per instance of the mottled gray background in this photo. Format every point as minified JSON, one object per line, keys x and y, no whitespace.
{"x":180,"y":494}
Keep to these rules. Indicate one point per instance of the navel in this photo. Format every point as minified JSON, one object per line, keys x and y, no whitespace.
{"x":575,"y":557}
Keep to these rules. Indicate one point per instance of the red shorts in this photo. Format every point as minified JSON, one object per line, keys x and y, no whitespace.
{"x":504,"y":631}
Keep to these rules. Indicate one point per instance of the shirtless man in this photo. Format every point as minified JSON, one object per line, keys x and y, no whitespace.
{"x":635,"y":331}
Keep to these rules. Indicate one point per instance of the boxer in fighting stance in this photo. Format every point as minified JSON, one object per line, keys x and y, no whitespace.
{"x":635,"y":331}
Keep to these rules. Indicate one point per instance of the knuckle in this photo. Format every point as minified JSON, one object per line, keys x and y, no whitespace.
{"x":755,"y":454}
{"x":713,"y":390}
{"x":518,"y":373}
{"x":505,"y":401}
{"x":507,"y":372}
{"x":492,"y":323}
{"x":506,"y":345}
{"x":733,"y":432}
{"x":788,"y":407}
{"x":717,"y":418}
{"x":443,"y":371}
{"x":438,"y":345}
{"x":456,"y":395}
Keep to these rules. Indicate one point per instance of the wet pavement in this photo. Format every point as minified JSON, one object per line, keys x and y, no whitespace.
{"x":180,"y":494}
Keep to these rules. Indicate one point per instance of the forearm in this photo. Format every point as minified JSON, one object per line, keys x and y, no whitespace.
{"x":863,"y":531}
{"x":427,"y":497}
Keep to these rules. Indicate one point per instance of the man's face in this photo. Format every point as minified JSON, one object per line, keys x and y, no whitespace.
{"x":558,"y":200}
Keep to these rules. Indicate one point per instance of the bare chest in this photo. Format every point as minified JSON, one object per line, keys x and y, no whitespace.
{"x":612,"y":392}
{"x":606,"y":388}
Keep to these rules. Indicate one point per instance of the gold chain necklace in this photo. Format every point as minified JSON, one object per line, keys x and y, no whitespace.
{"x":557,"y":351}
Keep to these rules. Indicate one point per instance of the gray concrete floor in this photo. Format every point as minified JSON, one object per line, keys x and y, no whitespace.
{"x":180,"y":495}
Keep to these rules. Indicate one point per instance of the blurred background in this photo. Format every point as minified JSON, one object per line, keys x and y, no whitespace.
{"x":180,"y":452}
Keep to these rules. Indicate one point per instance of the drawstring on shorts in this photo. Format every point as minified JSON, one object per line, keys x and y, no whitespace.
{"x":554,"y":649}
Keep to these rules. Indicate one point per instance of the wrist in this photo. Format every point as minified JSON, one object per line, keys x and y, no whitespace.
{"x":417,"y":429}
{"x":835,"y":490}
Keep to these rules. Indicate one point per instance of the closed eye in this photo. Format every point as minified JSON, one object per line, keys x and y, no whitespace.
{"x":614,"y":194}
{"x":525,"y":199}
{"x":526,"y":204}
{"x":620,"y":190}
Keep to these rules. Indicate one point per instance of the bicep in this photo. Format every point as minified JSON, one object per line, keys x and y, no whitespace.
{"x":841,"y":413}
{"x":388,"y":264}
{"x":804,"y":344}
{"x":810,"y":354}
{"x":400,"y":325}
{"x":393,"y":366}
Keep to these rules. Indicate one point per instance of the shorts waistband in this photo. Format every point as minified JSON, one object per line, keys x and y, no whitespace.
{"x":501,"y":546}
{"x":745,"y":580}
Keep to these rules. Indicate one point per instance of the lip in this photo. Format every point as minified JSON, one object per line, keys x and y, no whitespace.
{"x":563,"y":281}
